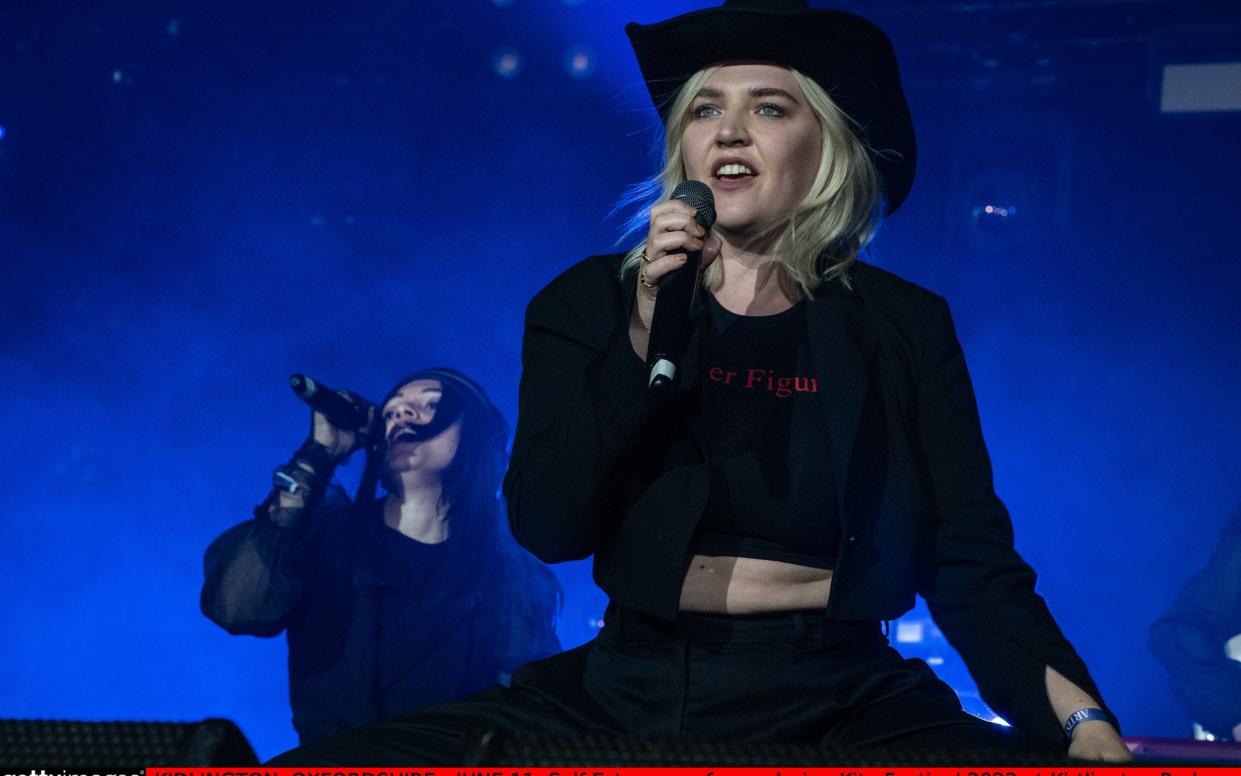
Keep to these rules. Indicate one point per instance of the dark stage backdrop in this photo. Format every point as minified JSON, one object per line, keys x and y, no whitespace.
{"x":198,"y":199}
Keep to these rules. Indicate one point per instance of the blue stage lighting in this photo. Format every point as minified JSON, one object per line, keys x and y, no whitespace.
{"x":996,"y":224}
{"x":580,"y":62}
{"x":1002,"y":206}
{"x":2,"y":133}
{"x":994,"y":211}
{"x":507,"y":62}
{"x":503,"y":3}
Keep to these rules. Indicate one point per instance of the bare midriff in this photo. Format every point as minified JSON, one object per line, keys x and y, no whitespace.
{"x":728,"y":585}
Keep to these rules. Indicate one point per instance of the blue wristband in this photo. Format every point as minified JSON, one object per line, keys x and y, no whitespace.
{"x":1080,"y":716}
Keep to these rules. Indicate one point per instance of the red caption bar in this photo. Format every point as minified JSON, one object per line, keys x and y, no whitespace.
{"x":1188,"y":770}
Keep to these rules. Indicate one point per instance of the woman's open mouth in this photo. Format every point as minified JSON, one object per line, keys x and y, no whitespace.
{"x":403,"y":437}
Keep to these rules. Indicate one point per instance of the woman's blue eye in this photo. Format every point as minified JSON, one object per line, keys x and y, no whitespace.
{"x":770,"y":110}
{"x":702,"y":111}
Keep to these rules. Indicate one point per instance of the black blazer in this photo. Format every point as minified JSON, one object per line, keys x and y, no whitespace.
{"x":597,"y":467}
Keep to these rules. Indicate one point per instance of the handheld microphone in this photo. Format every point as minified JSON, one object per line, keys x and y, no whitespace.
{"x":339,"y":411}
{"x":670,"y":321}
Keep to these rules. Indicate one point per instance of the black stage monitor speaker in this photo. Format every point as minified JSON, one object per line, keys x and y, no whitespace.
{"x":123,"y":746}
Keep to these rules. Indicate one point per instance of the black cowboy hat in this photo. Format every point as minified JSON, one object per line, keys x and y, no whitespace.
{"x":847,"y":55}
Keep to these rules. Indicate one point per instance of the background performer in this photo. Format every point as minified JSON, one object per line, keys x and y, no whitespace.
{"x":391,"y":602}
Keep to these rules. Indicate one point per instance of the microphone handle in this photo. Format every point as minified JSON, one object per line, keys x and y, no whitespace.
{"x":338,"y":410}
{"x":670,"y":323}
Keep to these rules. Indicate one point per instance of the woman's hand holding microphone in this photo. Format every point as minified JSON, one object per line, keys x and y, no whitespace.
{"x":303,"y":479}
{"x":340,"y":443}
{"x":672,"y":235}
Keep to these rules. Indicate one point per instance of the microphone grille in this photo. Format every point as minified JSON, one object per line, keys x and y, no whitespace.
{"x":697,"y":195}
{"x":302,"y":385}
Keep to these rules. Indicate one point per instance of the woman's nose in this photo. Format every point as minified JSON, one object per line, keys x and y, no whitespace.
{"x":407,"y":413}
{"x":731,"y":130}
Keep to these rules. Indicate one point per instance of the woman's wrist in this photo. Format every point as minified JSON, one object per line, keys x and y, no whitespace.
{"x":299,"y":483}
{"x":1083,"y":715}
{"x":316,"y":459}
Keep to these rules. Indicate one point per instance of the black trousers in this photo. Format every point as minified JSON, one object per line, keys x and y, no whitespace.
{"x":789,"y":677}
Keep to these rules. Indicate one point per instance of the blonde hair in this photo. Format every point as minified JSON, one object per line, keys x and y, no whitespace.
{"x":827,"y":230}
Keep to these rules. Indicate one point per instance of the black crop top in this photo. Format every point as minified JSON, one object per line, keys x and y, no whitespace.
{"x":771,"y":493}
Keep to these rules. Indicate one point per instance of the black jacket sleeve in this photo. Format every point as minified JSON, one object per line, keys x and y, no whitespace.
{"x":978,"y":589}
{"x":253,"y":572}
{"x":581,"y":404}
{"x":526,"y":621}
{"x":1189,"y":640}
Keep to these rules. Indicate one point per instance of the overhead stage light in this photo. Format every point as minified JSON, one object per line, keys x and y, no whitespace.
{"x":1200,"y":87}
{"x":580,"y":62}
{"x":1196,"y":70}
{"x":506,"y":62}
